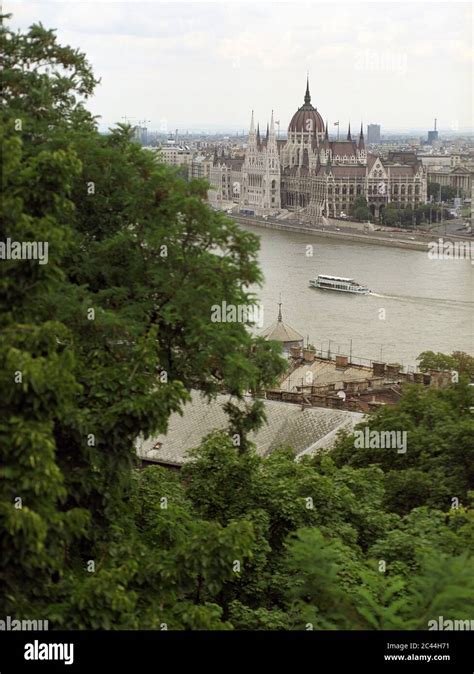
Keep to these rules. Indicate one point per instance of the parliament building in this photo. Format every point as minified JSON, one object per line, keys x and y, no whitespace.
{"x":312,"y":176}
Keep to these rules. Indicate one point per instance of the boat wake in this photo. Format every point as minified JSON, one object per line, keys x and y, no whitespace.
{"x":415,"y":298}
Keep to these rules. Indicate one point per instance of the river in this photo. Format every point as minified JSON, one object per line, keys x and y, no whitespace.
{"x":427,"y":304}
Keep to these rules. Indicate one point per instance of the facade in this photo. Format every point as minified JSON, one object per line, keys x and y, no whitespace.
{"x":175,"y":155}
{"x":310,"y":176}
{"x":460,"y":178}
{"x":373,"y":133}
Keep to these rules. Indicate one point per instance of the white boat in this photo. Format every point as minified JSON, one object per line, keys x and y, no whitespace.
{"x":343,"y":285}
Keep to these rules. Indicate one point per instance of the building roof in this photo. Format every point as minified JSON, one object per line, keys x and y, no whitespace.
{"x":281,"y":332}
{"x":347,"y":171}
{"x":343,"y":147}
{"x":323,"y":372}
{"x":307,"y":118}
{"x":307,"y":430}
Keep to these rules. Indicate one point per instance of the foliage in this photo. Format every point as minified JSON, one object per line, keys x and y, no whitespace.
{"x":108,"y":339}
{"x":458,"y":361}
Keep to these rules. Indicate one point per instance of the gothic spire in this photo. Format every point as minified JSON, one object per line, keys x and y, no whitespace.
{"x":272,"y":126}
{"x":258,"y":134}
{"x":252,"y":125}
{"x":326,"y":136}
{"x":307,"y":96}
{"x":361,"y":137}
{"x":280,"y":319}
{"x":349,"y":137}
{"x":267,"y":134}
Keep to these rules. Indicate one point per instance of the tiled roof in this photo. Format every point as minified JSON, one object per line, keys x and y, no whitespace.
{"x":371,"y":159}
{"x":281,"y":332}
{"x":305,"y":430}
{"x":343,"y":147}
{"x":324,"y":372}
{"x":401,"y":170}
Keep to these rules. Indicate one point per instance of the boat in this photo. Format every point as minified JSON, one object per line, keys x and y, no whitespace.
{"x":339,"y":283}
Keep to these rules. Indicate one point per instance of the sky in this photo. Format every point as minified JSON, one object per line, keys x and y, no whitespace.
{"x":192,"y":65}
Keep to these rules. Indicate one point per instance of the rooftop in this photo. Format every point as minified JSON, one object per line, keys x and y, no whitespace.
{"x":307,"y":430}
{"x":281,"y":332}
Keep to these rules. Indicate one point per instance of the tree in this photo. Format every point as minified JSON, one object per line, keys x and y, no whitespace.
{"x":441,"y":192}
{"x":105,"y":341}
{"x":458,"y":361}
{"x":360,"y":209}
{"x":390,"y":216}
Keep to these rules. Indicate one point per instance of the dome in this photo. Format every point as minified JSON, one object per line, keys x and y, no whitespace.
{"x":281,"y":332}
{"x":307,"y":118}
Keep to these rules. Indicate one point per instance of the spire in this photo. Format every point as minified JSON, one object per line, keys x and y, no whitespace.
{"x":280,"y":319}
{"x":349,"y":137}
{"x":361,"y":138}
{"x":267,"y":134}
{"x":326,"y":136}
{"x":252,"y":125}
{"x":258,"y":134}
{"x":272,"y":126}
{"x":307,"y":96}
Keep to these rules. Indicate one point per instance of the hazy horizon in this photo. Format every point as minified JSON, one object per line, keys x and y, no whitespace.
{"x":199,"y":66}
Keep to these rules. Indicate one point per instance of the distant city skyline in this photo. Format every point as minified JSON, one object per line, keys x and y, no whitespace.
{"x":204,"y":66}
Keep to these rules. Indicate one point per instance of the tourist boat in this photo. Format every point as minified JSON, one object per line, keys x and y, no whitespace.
{"x":343,"y":285}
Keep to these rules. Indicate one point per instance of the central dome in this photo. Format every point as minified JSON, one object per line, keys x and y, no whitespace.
{"x":307,"y":118}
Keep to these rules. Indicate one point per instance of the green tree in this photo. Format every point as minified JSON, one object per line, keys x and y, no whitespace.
{"x":111,"y":335}
{"x":458,"y":361}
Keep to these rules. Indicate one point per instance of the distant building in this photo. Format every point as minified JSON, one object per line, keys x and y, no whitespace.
{"x":373,"y":133}
{"x":433,"y":135}
{"x":175,"y":155}
{"x":460,"y":178}
{"x":200,"y":167}
{"x":309,"y":176}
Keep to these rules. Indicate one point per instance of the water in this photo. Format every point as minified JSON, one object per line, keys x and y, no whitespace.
{"x":428,"y":304}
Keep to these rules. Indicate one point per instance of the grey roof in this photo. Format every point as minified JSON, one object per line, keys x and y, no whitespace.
{"x":305,"y":430}
{"x":281,"y":332}
{"x":323,"y":372}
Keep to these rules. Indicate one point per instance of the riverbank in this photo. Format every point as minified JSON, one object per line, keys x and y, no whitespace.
{"x":366,"y":238}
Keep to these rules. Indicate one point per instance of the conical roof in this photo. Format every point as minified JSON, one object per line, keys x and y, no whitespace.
{"x":281,"y":332}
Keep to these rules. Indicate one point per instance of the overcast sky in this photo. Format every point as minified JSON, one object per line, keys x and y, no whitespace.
{"x":192,"y":65}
